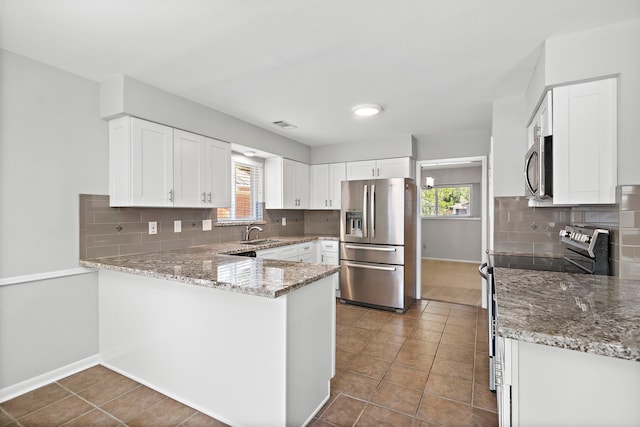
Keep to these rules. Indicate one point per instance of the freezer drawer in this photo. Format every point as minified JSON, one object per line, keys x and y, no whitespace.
{"x":382,"y":254}
{"x":376,"y":284}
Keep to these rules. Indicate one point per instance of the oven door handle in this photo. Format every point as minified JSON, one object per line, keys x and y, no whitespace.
{"x":483,"y":274}
{"x":369,"y":267}
{"x":372,"y":248}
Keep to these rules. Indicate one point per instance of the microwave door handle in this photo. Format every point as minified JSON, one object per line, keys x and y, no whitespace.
{"x":526,"y":175}
{"x":364,"y":211}
{"x":373,"y":210}
{"x":541,"y":154}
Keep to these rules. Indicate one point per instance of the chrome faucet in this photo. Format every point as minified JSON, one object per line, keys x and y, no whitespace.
{"x":249,"y":228}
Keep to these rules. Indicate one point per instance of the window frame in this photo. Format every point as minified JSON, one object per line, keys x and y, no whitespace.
{"x":436,"y":188}
{"x":256,"y":194}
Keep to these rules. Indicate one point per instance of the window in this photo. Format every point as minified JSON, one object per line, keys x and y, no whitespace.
{"x":246,"y":191}
{"x":452,"y":200}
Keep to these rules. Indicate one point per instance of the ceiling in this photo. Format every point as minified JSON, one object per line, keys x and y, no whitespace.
{"x":435,"y":66}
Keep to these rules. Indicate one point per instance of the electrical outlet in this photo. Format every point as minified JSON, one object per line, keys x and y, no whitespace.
{"x":153,"y":227}
{"x":177,"y":226}
{"x":284,"y":221}
{"x":206,"y":225}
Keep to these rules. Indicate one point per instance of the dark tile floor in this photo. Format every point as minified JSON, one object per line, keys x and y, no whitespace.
{"x":426,"y":367}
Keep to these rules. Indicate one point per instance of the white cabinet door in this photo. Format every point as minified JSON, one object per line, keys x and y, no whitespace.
{"x":329,"y":252}
{"x":401,"y":167}
{"x":151,"y":164}
{"x":217,"y":158}
{"x":361,"y":170}
{"x":302,"y":185}
{"x":337,"y":174}
{"x":286,"y":184}
{"x":394,"y":168}
{"x":188,"y":169}
{"x":319,"y":188}
{"x":585,"y":143}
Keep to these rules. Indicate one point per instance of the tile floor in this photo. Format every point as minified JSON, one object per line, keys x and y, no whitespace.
{"x":451,"y":281}
{"x":99,"y":397}
{"x":426,"y":367}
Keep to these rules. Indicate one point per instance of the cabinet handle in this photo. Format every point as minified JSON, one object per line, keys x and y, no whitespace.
{"x":203,"y":198}
{"x":330,"y":202}
{"x":322,"y":258}
{"x":209,"y":197}
{"x":325,"y":204}
{"x":171,"y":195}
{"x":378,"y":171}
{"x":373,"y":172}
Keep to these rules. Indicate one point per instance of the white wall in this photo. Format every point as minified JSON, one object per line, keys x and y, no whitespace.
{"x":53,"y":147}
{"x":124,"y":95}
{"x":464,"y":144}
{"x":509,"y":147}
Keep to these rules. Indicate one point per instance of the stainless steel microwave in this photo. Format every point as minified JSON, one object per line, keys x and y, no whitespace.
{"x":538,"y":169}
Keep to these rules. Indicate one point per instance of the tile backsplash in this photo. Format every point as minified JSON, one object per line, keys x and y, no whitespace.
{"x":107,"y":231}
{"x":628,"y":197}
{"x":524,"y":229}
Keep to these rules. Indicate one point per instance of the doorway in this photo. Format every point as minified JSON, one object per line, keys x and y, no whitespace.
{"x":452,"y":229}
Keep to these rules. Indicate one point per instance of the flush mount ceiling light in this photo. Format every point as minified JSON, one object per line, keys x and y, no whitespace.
{"x":250,"y":153}
{"x":367,"y":110}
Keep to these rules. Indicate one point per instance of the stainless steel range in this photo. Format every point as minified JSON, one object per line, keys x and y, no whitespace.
{"x":586,"y":251}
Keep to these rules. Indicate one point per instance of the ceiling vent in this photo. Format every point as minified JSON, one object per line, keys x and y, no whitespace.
{"x":284,"y":125}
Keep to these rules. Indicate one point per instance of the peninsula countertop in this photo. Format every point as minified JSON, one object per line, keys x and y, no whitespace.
{"x":588,"y":313}
{"x":215,"y":266}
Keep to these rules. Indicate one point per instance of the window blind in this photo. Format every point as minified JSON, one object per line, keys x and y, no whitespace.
{"x":246,"y":191}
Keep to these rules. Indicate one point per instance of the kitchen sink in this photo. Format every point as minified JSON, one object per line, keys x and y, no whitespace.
{"x":260,"y":242}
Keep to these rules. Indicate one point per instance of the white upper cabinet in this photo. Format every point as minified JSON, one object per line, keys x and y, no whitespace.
{"x":585,"y":143}
{"x":542,"y":121}
{"x":286,"y":184}
{"x":401,"y":167}
{"x":154,"y":165}
{"x":188,"y":150}
{"x":217,"y":157}
{"x":326,"y":184}
{"x":140,"y":163}
{"x":202,"y":171}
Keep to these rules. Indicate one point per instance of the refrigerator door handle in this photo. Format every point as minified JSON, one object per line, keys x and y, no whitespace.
{"x":364,"y":210}
{"x":365,"y":248}
{"x":373,"y":210}
{"x":369,"y":267}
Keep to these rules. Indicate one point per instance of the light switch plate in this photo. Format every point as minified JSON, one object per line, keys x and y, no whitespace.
{"x":153,"y":227}
{"x":177,"y":226}
{"x":206,"y":225}
{"x":284,"y":221}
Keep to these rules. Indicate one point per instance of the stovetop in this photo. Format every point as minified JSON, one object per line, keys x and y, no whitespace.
{"x":530,"y":262}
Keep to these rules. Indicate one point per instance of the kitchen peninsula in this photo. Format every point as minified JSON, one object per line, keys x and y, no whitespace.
{"x":240,"y":339}
{"x":568,"y":347}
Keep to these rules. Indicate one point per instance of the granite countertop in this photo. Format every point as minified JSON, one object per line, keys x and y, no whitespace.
{"x":588,"y":313}
{"x":214,"y":266}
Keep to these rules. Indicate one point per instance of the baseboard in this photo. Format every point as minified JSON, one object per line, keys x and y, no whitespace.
{"x":26,"y":386}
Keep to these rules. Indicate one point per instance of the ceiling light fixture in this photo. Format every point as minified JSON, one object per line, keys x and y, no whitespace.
{"x":367,"y":110}
{"x":249,"y":153}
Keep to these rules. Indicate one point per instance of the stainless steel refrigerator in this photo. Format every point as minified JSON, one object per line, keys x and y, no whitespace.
{"x":378,"y":242}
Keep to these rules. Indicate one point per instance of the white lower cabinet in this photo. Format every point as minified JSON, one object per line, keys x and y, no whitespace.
{"x":542,"y":385}
{"x":329,"y":252}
